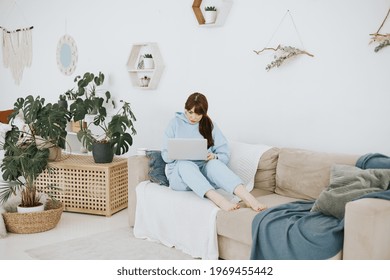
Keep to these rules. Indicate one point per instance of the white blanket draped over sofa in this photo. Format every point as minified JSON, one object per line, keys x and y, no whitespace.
{"x":182,"y":219}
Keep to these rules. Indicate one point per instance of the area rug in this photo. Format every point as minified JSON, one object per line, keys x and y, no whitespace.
{"x":118,"y":244}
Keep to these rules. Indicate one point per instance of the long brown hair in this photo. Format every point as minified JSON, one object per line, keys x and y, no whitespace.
{"x":199,"y":103}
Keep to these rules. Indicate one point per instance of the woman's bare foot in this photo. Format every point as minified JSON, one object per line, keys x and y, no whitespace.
{"x":220,"y":201}
{"x":256,"y":205}
{"x":249,"y":199}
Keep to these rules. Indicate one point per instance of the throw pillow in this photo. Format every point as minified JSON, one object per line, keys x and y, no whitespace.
{"x":157,"y":168}
{"x":3,"y":229}
{"x":348,"y":183}
{"x":4,"y":128}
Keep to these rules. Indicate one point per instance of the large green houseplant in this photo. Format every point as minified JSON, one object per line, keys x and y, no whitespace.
{"x":27,"y":147}
{"x":114,"y":137}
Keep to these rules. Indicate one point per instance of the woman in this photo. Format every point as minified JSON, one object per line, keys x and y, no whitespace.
{"x":203,"y":177}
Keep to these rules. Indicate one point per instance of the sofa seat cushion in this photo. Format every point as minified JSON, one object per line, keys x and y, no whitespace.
{"x":305,"y":174}
{"x":237,"y":224}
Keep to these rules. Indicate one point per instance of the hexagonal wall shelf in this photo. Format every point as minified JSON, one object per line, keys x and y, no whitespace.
{"x":222,"y":12}
{"x":143,"y":75}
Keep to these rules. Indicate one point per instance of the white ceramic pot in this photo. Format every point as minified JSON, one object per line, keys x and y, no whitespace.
{"x":148,"y":63}
{"x":38,"y":208}
{"x":210,"y":16}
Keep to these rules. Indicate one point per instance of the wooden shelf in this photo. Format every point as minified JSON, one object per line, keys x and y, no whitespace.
{"x":137,"y":73}
{"x":222,"y":12}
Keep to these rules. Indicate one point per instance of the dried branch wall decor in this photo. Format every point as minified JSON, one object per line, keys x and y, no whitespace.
{"x":382,"y":39}
{"x":283,"y":52}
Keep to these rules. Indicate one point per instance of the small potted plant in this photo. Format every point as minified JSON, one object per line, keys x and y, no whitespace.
{"x":148,"y":61}
{"x":210,"y":14}
{"x":144,"y":81}
{"x":115,"y":139}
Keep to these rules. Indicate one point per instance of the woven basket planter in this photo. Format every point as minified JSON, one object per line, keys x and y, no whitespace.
{"x":33,"y":222}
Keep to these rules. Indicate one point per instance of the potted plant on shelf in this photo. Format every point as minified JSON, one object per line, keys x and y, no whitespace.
{"x":144,"y":81}
{"x":114,"y":138}
{"x":27,"y":147}
{"x":148,"y":61}
{"x":210,"y":14}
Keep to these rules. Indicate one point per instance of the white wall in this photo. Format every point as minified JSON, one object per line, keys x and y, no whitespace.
{"x":336,"y":101}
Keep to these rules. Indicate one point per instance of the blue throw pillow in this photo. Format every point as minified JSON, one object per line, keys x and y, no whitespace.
{"x":157,"y":168}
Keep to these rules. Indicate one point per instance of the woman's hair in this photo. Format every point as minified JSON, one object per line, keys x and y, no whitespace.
{"x":199,"y":102}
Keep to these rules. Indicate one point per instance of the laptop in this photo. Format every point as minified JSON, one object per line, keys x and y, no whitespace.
{"x":187,"y":148}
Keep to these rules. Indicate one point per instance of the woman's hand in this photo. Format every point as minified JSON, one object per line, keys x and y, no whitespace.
{"x":211,"y":156}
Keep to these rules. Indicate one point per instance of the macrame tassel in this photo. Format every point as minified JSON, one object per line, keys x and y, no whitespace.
{"x":17,"y":51}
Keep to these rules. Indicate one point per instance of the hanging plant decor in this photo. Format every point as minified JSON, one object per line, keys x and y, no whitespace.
{"x":382,"y":39}
{"x":285,"y":53}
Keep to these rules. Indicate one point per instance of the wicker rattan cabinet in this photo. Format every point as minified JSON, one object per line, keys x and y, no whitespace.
{"x":85,"y":186}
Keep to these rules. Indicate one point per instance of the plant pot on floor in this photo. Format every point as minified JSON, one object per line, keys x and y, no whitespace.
{"x":38,"y":208}
{"x":102,"y":152}
{"x":34,"y":222}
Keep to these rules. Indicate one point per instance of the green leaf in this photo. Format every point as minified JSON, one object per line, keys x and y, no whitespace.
{"x":121,"y":142}
{"x":86,"y":139}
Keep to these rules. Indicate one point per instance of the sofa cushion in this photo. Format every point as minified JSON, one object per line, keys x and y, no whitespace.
{"x":4,"y":128}
{"x":348,"y":183}
{"x":157,"y":168}
{"x":266,"y":171}
{"x":305,"y":174}
{"x":237,"y":224}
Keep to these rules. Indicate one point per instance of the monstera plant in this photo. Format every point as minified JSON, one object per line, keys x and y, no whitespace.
{"x":36,"y":128}
{"x":85,"y":96}
{"x":114,"y":139}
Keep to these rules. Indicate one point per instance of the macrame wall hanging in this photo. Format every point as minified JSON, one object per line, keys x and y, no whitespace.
{"x":17,"y":49}
{"x":282,"y":53}
{"x":382,"y":39}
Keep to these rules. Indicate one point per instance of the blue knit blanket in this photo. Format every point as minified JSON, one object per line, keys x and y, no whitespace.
{"x":292,"y":232}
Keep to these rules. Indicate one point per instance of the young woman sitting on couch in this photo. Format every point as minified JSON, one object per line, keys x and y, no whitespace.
{"x":204,"y":177}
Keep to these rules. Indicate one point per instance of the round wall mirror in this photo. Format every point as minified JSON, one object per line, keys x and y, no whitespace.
{"x":66,"y":55}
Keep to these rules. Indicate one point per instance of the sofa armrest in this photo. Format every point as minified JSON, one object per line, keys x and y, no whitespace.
{"x":366,"y":229}
{"x":138,"y":172}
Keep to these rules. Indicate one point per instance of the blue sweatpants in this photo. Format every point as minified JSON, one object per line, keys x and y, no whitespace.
{"x":202,"y":176}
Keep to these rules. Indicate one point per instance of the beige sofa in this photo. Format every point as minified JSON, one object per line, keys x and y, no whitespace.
{"x":285,"y":175}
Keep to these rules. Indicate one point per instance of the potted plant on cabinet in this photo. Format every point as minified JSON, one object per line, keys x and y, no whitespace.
{"x":210,"y":14}
{"x":114,"y":138}
{"x":27,"y":156}
{"x":86,"y":99}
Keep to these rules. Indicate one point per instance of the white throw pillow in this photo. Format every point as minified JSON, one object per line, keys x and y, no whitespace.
{"x":3,"y":230}
{"x":4,"y":128}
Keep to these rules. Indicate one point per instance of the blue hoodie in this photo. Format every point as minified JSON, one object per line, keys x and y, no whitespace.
{"x":180,"y":127}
